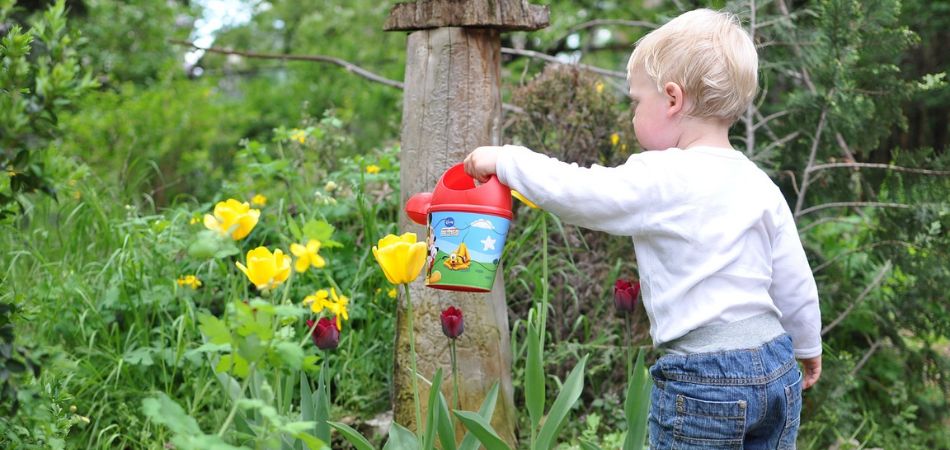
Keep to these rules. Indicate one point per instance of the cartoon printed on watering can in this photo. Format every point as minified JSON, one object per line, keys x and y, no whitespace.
{"x":466,"y":229}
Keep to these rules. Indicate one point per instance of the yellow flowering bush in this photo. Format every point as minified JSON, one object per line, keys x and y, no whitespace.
{"x":232,"y":218}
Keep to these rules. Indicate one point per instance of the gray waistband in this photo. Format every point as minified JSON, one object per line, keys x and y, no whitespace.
{"x":745,"y":333}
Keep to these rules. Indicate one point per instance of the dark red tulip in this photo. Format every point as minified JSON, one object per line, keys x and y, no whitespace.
{"x":325,"y":336}
{"x":626,"y":293}
{"x":452,"y":323}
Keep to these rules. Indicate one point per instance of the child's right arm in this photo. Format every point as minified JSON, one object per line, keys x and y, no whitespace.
{"x":600,"y":198}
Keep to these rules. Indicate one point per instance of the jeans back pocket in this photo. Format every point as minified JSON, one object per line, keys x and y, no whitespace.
{"x":793,"y":413}
{"x":702,"y":424}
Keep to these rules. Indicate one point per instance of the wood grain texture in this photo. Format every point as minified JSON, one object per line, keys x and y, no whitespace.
{"x":497,"y":14}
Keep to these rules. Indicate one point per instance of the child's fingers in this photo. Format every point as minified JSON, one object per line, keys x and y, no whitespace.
{"x":812,"y":371}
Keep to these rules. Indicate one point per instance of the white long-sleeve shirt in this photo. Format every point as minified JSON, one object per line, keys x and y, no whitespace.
{"x":714,"y":238}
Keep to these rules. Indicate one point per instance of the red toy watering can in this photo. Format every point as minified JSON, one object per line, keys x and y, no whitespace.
{"x":466,"y":230}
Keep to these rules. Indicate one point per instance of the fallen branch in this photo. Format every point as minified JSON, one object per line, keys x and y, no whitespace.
{"x":877,"y":280}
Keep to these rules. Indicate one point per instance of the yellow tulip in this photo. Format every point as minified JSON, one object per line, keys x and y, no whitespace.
{"x":307,"y":255}
{"x":233,"y":218}
{"x":265,"y":269}
{"x":518,"y":196}
{"x":400,"y":257}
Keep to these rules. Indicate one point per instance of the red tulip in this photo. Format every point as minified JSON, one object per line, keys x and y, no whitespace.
{"x":452,"y":323}
{"x":325,"y":336}
{"x":626,"y":293}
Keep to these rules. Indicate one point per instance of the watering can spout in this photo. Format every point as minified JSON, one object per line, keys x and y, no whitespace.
{"x":417,"y":208}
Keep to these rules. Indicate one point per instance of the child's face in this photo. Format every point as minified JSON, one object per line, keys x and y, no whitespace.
{"x":653,"y":121}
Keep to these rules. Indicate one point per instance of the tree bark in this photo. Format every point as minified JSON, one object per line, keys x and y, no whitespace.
{"x":452,"y":104}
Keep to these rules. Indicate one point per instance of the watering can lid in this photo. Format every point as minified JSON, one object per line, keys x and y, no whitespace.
{"x":456,"y":191}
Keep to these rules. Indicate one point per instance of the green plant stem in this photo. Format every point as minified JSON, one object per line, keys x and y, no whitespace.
{"x":628,"y":319}
{"x":544,"y":278}
{"x":234,"y":406}
{"x":412,"y":361}
{"x":455,"y":373}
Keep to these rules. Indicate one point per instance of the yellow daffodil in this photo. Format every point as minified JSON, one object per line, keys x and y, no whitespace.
{"x":265,"y":269}
{"x":614,"y":139}
{"x":599,"y":87}
{"x":400,"y":257}
{"x":335,"y":304}
{"x":392,"y":293}
{"x":259,"y":200}
{"x":520,"y":197}
{"x":233,"y":218}
{"x":190,"y":281}
{"x":307,"y":255}
{"x":298,"y":135}
{"x":372,"y":168}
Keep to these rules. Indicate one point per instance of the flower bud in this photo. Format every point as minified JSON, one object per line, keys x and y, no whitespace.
{"x":452,"y":322}
{"x":626,"y":293}
{"x":325,"y":336}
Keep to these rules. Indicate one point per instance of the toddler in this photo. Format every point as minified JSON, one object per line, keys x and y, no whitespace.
{"x":730,"y":296}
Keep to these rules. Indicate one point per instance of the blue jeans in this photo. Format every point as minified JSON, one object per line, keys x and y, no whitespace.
{"x":734,"y":399}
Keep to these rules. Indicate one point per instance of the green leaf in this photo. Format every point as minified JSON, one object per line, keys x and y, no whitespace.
{"x":290,"y":353}
{"x":485,"y":411}
{"x":352,"y":436}
{"x":534,"y":391}
{"x":294,"y":229}
{"x":163,"y":410}
{"x":401,"y":439}
{"x":319,"y":230}
{"x":233,"y":364}
{"x":306,"y":399}
{"x":321,"y":402}
{"x":216,"y":330}
{"x":570,"y":392}
{"x":311,"y":441}
{"x":446,"y":427}
{"x":636,"y":406}
{"x":587,"y":445}
{"x":482,"y":430}
{"x":432,"y":416}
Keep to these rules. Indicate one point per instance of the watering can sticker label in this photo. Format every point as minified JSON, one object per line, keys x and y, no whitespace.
{"x":464,"y":249}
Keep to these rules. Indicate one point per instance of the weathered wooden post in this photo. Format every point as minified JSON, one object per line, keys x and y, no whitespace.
{"x":452,"y":104}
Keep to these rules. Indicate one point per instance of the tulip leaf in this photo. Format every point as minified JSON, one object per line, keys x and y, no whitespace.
{"x":570,"y":392}
{"x":401,"y":439}
{"x":306,"y":398}
{"x":482,"y":430}
{"x":432,"y":416}
{"x":446,"y":428}
{"x":637,"y":404}
{"x":352,"y":436}
{"x":321,"y":411}
{"x":534,"y":375}
{"x":485,"y":411}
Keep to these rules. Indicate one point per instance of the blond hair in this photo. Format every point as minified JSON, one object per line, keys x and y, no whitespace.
{"x":709,"y":55}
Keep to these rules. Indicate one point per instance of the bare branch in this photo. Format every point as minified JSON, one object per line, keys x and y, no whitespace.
{"x":849,"y":204}
{"x":350,"y":67}
{"x":549,"y":58}
{"x":806,"y":176}
{"x":353,"y":68}
{"x":820,"y":221}
{"x":867,"y":289}
{"x":769,"y":117}
{"x":867,"y":356}
{"x":879,"y":166}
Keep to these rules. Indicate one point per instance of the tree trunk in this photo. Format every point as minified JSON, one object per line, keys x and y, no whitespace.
{"x":451,"y":105}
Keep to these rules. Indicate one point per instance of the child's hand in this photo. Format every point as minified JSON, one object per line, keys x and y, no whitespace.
{"x":812,"y":368}
{"x":480,"y":164}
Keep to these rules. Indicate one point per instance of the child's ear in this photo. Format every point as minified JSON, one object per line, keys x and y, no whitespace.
{"x":675,"y":98}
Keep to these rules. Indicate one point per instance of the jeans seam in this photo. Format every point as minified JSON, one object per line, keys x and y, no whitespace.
{"x":732,"y":381}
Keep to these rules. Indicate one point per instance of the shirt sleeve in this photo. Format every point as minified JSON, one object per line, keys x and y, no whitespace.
{"x":793,"y":288}
{"x":600,"y":198}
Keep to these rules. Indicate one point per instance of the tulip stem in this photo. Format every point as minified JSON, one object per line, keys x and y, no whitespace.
{"x":455,"y":373}
{"x":544,"y":278}
{"x":412,"y":361}
{"x":627,"y":319}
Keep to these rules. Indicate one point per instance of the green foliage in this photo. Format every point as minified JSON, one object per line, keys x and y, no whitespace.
{"x":41,"y":79}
